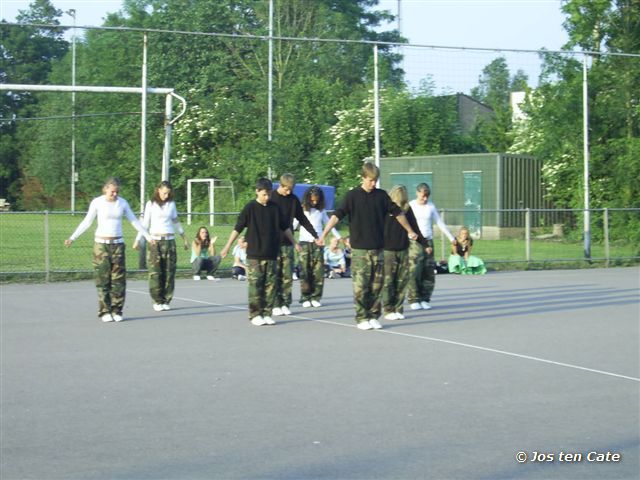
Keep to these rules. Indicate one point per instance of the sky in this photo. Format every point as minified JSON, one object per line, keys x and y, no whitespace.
{"x":490,"y":24}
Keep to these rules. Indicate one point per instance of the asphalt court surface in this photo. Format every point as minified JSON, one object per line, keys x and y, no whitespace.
{"x":542,"y":365}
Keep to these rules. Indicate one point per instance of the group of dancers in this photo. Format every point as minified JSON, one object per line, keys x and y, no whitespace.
{"x":391,"y":240}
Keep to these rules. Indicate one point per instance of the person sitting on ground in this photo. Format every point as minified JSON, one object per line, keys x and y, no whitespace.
{"x":203,"y":255}
{"x":239,"y":269}
{"x":334,"y":261}
{"x":347,"y":255}
{"x":461,"y":261}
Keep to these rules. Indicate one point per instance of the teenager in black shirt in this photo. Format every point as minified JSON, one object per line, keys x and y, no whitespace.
{"x":291,"y":209}
{"x":264,"y":223}
{"x":367,"y":207}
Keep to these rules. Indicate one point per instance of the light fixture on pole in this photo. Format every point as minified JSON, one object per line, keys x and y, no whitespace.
{"x":72,"y":13}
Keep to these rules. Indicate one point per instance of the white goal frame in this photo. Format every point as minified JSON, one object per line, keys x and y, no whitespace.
{"x":169,"y":120}
{"x":212,"y":196}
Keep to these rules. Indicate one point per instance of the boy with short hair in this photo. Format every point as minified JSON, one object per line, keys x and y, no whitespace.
{"x":422,"y":262}
{"x":264,"y":223}
{"x":367,"y":207}
{"x":291,"y":209}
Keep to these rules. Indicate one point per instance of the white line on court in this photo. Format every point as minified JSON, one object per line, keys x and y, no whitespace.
{"x":431,"y":339}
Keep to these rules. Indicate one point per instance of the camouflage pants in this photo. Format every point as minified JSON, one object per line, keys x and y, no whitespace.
{"x":422,"y":273}
{"x":162,"y":270}
{"x":367,"y":273}
{"x":311,"y":271}
{"x":262,"y":287}
{"x":284,"y":276}
{"x":110,"y":276}
{"x":396,"y":279}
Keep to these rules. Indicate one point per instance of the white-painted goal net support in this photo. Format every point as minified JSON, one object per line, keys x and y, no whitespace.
{"x":214,"y":183}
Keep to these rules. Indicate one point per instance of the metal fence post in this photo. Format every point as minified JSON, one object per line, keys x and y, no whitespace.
{"x":442,"y":253}
{"x":527,"y":233}
{"x":47,"y":260}
{"x":607,"y":252}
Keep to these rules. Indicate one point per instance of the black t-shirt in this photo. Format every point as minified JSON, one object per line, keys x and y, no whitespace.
{"x":367,"y":211}
{"x":396,"y":237}
{"x":264,"y":224}
{"x":291,"y":208}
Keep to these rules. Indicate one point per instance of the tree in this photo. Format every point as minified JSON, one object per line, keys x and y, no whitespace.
{"x":494,"y":89}
{"x":224,"y":80}
{"x":27,"y":57}
{"x":553,"y":130}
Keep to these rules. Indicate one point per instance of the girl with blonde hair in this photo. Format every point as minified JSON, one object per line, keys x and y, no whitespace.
{"x":461,"y":261}
{"x":396,"y":256}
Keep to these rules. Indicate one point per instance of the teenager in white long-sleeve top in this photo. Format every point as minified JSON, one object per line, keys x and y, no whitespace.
{"x":161,"y":219}
{"x":109,"y":249}
{"x":421,"y":260}
{"x":312,"y":255}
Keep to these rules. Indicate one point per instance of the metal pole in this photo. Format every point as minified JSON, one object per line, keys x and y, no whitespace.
{"x":212,"y":201}
{"x":376,"y":107}
{"x":270,"y":88}
{"x":527,"y":233}
{"x":47,"y":241}
{"x":607,"y":248}
{"x":143,"y":125}
{"x":72,"y":13}
{"x":188,"y":202}
{"x":270,"y":74}
{"x":585,"y":132}
{"x":166,"y":153}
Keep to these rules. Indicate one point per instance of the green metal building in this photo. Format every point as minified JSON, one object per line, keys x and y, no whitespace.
{"x":480,"y":186}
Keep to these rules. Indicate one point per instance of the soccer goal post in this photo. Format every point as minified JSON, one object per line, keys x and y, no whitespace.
{"x":213,"y":183}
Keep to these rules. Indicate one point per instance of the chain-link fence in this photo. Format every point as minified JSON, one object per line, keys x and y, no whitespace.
{"x":32,"y":243}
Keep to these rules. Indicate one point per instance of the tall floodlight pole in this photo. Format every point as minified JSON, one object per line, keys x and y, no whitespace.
{"x":376,"y":107}
{"x":72,"y":13}
{"x":585,"y":133}
{"x":143,"y":126}
{"x":270,"y":86}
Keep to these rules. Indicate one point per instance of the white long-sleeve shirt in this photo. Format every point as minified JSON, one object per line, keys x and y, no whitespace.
{"x":426,"y":216}
{"x":160,"y":219}
{"x":109,"y":216}
{"x":317,"y":218}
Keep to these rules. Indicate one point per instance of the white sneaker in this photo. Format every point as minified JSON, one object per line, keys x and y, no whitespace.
{"x":364,"y":325}
{"x":212,"y":278}
{"x":306,"y":304}
{"x":333,"y":274}
{"x":316,"y":303}
{"x":165,"y":306}
{"x":415,"y":306}
{"x":285,"y":310}
{"x":268,"y":321}
{"x":399,"y":316}
{"x":241,"y":277}
{"x":391,"y":316}
{"x":117,"y":318}
{"x":158,"y":307}
{"x":294,"y":276}
{"x":277,"y":312}
{"x":258,"y":321}
{"x":107,"y":317}
{"x":196,"y":277}
{"x":425,"y":305}
{"x":375,"y":323}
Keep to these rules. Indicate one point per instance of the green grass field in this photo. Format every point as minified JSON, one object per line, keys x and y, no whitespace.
{"x":25,"y":250}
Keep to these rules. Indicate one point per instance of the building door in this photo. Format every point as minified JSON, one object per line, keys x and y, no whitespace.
{"x":411,"y":181}
{"x":473,"y":202}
